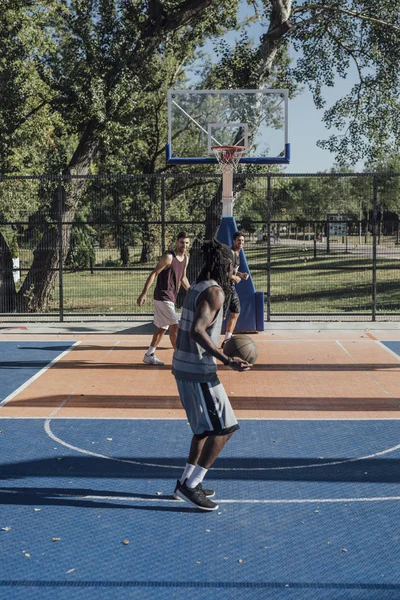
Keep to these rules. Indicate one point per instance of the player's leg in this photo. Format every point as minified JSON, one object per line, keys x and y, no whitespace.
{"x":157,"y":337}
{"x":195,"y":449}
{"x":164,"y":317}
{"x":212,"y":419}
{"x":209,"y":454}
{"x":191,"y":490}
{"x":234,"y":308}
{"x":231,"y":324}
{"x":203,"y":453}
{"x":173,"y":334}
{"x":194,"y":454}
{"x":212,"y":449}
{"x":150,"y":357}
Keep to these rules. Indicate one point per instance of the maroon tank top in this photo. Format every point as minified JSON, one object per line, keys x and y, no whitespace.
{"x":168,"y":280}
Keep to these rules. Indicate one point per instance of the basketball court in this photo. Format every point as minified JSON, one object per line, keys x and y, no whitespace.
{"x":93,"y":441}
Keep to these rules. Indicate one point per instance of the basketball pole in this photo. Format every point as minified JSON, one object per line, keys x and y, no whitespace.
{"x":228,"y":158}
{"x":227,"y":192}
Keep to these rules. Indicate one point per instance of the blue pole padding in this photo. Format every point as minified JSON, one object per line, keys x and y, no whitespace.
{"x":259,"y":311}
{"x":251,"y":315}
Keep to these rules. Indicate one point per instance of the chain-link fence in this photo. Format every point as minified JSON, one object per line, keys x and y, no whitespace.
{"x":320,"y":246}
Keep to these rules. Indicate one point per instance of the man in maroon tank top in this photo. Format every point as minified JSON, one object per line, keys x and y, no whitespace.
{"x":170,"y":272}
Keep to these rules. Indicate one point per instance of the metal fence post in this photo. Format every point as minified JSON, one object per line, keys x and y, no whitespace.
{"x":328,"y":238}
{"x":163,"y":213}
{"x":60,"y":247}
{"x":269,"y":196}
{"x":374,"y":265}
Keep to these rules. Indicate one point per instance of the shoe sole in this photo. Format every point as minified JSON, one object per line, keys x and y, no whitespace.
{"x":154,"y":365}
{"x":175,"y":495}
{"x":185,"y":499}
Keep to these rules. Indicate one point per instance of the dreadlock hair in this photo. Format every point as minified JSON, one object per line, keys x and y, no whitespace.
{"x":217,"y":264}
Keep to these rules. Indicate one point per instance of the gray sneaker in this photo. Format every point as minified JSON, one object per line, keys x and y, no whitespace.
{"x":151,"y":359}
{"x":208,"y":493}
{"x":195,"y":497}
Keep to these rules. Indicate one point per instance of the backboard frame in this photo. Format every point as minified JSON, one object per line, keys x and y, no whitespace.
{"x":172,"y":159}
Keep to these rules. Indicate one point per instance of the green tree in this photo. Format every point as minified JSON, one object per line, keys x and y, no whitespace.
{"x":94,"y":64}
{"x":81,"y":79}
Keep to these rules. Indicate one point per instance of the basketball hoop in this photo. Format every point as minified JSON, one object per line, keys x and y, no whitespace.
{"x":228,"y":157}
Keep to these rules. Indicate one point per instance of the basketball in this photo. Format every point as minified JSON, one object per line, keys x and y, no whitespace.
{"x":242,"y":346}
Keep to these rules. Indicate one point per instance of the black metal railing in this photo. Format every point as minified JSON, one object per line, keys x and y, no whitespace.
{"x":322,"y":246}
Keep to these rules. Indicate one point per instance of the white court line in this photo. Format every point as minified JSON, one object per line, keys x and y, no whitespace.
{"x":300,"y":341}
{"x":27,"y":383}
{"x":247,"y":469}
{"x":237,"y":501}
{"x":49,"y":432}
{"x":392,"y":352}
{"x":72,"y":394}
{"x":379,"y":385}
{"x":163,"y":419}
{"x":230,"y":501}
{"x":344,"y":350}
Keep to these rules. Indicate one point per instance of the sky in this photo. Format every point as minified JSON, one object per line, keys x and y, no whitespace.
{"x":305,"y":120}
{"x":306,"y":128}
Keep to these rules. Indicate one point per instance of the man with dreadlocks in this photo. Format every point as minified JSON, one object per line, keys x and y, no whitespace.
{"x":204,"y":399}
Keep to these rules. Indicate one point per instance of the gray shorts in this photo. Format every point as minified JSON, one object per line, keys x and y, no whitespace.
{"x":207,"y":407}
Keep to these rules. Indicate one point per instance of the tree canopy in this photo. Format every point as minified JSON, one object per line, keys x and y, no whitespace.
{"x":83,"y":82}
{"x":83,"y":77}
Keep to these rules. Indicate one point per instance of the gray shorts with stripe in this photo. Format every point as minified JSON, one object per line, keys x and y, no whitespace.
{"x":207,"y":407}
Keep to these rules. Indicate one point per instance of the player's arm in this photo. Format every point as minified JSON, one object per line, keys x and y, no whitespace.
{"x":184,"y":279}
{"x":209,"y":303}
{"x":243,"y":276}
{"x":234,"y":277}
{"x":164,"y":263}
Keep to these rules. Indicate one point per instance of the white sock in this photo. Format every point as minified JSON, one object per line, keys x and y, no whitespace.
{"x":150,"y":351}
{"x":227,"y":336}
{"x":196,"y":477}
{"x":187,"y":471}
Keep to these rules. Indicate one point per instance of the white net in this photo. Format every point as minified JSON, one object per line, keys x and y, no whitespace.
{"x":228,"y":157}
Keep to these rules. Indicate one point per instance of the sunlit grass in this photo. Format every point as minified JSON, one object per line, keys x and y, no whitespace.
{"x":300,"y":283}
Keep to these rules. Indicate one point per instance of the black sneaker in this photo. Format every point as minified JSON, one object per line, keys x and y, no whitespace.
{"x":208,"y":493}
{"x":196,"y":497}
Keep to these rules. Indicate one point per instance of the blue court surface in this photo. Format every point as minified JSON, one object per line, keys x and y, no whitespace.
{"x":20,"y":361}
{"x":393,"y":346}
{"x":308,"y":509}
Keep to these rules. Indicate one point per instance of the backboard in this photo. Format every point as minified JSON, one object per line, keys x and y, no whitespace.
{"x":201,"y":119}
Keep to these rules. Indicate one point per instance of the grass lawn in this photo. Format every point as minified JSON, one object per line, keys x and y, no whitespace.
{"x":300,"y":283}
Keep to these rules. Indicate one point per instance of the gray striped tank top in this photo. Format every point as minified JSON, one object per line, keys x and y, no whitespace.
{"x":190,"y":360}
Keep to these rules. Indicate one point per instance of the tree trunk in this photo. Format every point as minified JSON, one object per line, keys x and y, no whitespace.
{"x":39,"y":284}
{"x":145,"y":254}
{"x":279,"y":26}
{"x":124,"y":254}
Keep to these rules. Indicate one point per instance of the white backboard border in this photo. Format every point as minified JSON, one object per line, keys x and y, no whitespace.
{"x":171,"y":158}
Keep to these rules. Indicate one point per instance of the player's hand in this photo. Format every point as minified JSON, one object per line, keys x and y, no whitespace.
{"x":238,"y":364}
{"x":141,"y":300}
{"x":245,"y":276}
{"x":235,"y":278}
